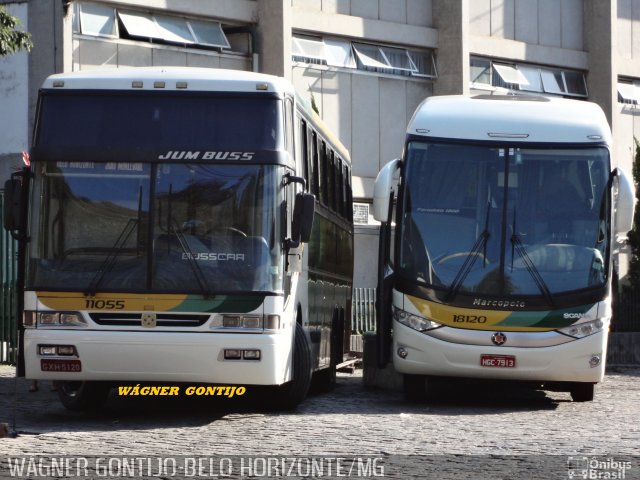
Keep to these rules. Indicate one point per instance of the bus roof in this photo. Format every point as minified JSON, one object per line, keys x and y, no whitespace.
{"x":169,"y":78}
{"x":510,"y":118}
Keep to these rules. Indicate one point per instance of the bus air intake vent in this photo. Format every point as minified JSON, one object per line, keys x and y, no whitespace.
{"x":135,"y":319}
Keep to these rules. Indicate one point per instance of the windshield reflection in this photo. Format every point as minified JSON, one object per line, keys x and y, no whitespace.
{"x":499,"y":221}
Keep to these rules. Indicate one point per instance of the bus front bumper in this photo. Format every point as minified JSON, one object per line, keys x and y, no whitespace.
{"x":158,"y":357}
{"x":569,"y":362}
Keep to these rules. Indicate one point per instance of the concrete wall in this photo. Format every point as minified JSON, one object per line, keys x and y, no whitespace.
{"x":628,"y":36}
{"x":410,"y":12}
{"x":545,"y":32}
{"x":93,"y":53}
{"x":553,"y":23}
{"x":628,"y":65}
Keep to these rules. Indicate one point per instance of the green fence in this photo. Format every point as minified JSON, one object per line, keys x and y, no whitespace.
{"x":8,"y":272}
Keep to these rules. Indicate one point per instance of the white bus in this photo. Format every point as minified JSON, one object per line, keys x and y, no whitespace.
{"x":507,"y":213}
{"x":168,"y":235}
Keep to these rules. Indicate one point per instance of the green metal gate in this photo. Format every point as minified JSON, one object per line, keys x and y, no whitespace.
{"x":8,"y":273}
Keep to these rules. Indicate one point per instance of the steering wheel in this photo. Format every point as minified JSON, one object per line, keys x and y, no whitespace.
{"x":228,"y":231}
{"x":453,"y":256}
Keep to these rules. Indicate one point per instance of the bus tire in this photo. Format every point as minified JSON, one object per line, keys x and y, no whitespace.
{"x":414,"y":387}
{"x":582,"y":392}
{"x":292,"y":393}
{"x":83,"y":396}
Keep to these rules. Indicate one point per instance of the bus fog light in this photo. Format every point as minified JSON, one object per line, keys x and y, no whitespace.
{"x":47,"y":350}
{"x":251,"y":354}
{"x":232,"y":354}
{"x":403,"y":352}
{"x":67,"y":350}
{"x":594,"y":361}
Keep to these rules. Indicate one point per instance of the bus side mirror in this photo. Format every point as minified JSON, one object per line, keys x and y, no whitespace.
{"x":382,"y":188}
{"x":13,"y":205}
{"x":625,"y":204}
{"x":302,"y":222}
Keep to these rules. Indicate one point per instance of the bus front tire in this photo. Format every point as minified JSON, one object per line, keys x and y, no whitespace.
{"x":582,"y":392}
{"x":292,"y":393}
{"x":83,"y":396}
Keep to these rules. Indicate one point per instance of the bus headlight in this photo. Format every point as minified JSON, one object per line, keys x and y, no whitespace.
{"x":581,"y":330}
{"x":420,"y":324}
{"x":53,"y":319}
{"x":252,"y":323}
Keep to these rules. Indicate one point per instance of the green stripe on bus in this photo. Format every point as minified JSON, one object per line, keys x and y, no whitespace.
{"x":221,"y":303}
{"x":546,"y":318}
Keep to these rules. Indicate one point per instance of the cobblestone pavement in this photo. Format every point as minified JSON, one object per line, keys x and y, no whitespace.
{"x":349,"y":420}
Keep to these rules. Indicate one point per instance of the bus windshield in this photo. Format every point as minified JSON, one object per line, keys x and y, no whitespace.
{"x":191,"y":228}
{"x":500,"y":220}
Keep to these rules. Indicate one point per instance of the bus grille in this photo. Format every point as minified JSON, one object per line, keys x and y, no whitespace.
{"x":135,"y":319}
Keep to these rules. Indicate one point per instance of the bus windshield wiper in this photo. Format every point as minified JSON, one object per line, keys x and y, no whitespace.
{"x":481,"y":244}
{"x":184,"y":246}
{"x":518,"y":246}
{"x":112,"y":257}
{"x":172,"y":228}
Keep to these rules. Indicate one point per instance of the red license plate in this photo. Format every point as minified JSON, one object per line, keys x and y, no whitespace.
{"x":498,"y":361}
{"x":60,"y":365}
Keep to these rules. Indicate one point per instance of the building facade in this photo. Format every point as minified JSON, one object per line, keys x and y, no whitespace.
{"x":366,"y":64}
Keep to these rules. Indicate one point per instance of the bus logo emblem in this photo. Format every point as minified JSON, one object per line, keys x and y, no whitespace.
{"x":148,"y":320}
{"x":498,"y":338}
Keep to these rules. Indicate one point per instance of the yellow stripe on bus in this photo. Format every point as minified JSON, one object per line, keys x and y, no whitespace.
{"x":472,"y":318}
{"x":109,"y":301}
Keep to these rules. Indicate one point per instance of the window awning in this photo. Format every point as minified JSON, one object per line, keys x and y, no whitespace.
{"x":510,"y":74}
{"x":628,"y":93}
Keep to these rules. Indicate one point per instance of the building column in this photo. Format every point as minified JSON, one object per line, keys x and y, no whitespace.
{"x":47,"y":26}
{"x":274,"y":24}
{"x":451,"y":18}
{"x":601,"y":17}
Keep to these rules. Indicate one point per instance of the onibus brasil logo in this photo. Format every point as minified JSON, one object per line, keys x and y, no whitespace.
{"x":597,"y":468}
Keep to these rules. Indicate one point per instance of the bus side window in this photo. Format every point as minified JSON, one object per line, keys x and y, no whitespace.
{"x":322,"y":162}
{"x":313,"y":143}
{"x":340,"y":185}
{"x":331,"y":180}
{"x":304,"y":150}
{"x":349,"y":193}
{"x":288,"y":125}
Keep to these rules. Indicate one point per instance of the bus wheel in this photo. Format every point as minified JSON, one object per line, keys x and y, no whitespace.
{"x":414,"y":387}
{"x":289,"y":395}
{"x":83,"y":396}
{"x":582,"y":392}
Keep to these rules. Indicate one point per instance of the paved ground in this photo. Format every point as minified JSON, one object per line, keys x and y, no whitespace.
{"x":348,"y":421}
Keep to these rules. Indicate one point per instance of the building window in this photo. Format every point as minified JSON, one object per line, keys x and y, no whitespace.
{"x":104,"y":21}
{"x":363,"y":56}
{"x":510,"y":75}
{"x":628,"y":92}
{"x":527,"y":78}
{"x":97,"y":20}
